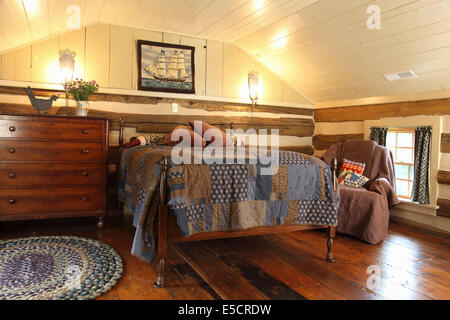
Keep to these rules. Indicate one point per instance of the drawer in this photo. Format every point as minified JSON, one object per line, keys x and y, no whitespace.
{"x":14,"y":175}
{"x":48,"y":128}
{"x":53,"y":200}
{"x":15,"y":150}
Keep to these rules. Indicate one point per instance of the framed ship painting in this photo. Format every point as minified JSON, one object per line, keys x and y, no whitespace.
{"x":166,"y":67}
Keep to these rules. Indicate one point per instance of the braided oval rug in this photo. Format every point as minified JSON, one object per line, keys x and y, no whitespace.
{"x":57,"y":268}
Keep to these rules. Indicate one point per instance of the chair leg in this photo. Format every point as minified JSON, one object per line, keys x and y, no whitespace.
{"x":331,"y":232}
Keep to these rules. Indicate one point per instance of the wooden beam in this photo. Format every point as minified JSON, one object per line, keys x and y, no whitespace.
{"x":375,"y":112}
{"x":445,"y":143}
{"x":444,"y":208}
{"x":323,"y":142}
{"x":443,"y":177}
{"x":300,"y":149}
{"x":185,"y":103}
{"x":165,"y":123}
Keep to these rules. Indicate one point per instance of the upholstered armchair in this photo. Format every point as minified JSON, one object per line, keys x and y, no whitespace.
{"x":364,"y":211}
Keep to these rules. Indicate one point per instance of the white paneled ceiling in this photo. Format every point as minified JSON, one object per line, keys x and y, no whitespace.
{"x":322,"y":48}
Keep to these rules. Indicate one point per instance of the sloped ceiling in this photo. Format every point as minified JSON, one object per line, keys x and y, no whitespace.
{"x":322,"y":48}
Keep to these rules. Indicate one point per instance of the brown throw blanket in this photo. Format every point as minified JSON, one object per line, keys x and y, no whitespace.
{"x":364,"y":212}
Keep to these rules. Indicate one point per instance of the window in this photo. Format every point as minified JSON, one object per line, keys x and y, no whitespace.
{"x":401,"y":142}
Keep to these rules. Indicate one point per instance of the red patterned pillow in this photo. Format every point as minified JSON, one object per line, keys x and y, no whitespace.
{"x":350,"y":166}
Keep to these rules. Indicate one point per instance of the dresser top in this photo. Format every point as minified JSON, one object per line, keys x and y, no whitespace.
{"x":42,"y":116}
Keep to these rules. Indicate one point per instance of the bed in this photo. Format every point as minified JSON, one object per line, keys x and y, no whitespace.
{"x":193,"y":202}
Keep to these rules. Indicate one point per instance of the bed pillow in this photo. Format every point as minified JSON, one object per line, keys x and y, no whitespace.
{"x":355,"y":180}
{"x":350,"y":166}
{"x":155,"y":139}
{"x":195,"y":138}
{"x":226,"y":140}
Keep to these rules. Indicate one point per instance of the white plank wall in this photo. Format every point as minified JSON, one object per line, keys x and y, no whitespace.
{"x":322,"y":48}
{"x":108,"y":54}
{"x":98,"y":54}
{"x":121,"y":53}
{"x":214,"y":68}
{"x":45,"y":64}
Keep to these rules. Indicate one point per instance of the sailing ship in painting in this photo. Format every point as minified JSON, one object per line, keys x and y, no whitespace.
{"x":173,"y":71}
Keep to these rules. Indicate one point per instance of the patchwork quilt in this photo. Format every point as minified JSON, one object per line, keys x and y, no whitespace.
{"x":222,"y":197}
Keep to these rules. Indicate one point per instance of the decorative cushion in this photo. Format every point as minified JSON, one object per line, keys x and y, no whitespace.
{"x":195,"y":138}
{"x":350,"y":166}
{"x":155,"y":139}
{"x":355,"y":180}
{"x":226,"y":140}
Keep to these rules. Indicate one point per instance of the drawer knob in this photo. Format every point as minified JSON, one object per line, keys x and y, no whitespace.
{"x":12,"y":150}
{"x":84,"y":198}
{"x":12,"y":175}
{"x":86,"y":151}
{"x":12,"y":201}
{"x":86,"y":131}
{"x":12,"y":128}
{"x":85,"y":173}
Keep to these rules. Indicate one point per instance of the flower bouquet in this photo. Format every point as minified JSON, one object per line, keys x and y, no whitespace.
{"x":80,"y":91}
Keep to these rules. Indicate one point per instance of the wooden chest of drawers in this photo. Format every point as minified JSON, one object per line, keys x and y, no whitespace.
{"x":52,"y":167}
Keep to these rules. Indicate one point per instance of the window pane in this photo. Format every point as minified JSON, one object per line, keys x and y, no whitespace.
{"x":390,"y":140}
{"x":402,"y":188}
{"x":404,"y":139}
{"x":404,"y":155}
{"x":411,"y":173}
{"x":401,"y":171}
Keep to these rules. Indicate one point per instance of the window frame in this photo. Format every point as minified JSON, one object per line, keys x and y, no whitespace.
{"x":436,"y":122}
{"x":410,"y":165}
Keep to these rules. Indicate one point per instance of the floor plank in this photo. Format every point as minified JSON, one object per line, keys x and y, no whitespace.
{"x":397,"y":272}
{"x":350,"y":266}
{"x":285,"y":266}
{"x":219,"y":275}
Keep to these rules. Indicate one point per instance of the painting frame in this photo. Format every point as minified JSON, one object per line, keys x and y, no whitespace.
{"x":141,"y":44}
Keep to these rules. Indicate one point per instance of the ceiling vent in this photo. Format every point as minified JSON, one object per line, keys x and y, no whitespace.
{"x":407,"y":75}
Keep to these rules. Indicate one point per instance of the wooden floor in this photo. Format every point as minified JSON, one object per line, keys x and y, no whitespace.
{"x":287,"y":266}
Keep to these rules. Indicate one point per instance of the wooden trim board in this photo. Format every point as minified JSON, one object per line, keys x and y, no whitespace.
{"x":323,"y":142}
{"x":444,"y":208}
{"x":386,"y":110}
{"x":165,"y":123}
{"x":443,"y":177}
{"x":185,"y":103}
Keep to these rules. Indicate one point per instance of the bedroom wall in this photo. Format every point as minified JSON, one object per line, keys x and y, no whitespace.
{"x":107,"y":54}
{"x":335,"y":123}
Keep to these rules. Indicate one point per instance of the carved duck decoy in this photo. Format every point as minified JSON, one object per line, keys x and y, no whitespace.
{"x":40,"y":104}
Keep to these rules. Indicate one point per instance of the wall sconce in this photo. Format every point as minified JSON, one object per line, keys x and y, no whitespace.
{"x":253,"y":86}
{"x":66,"y":64}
